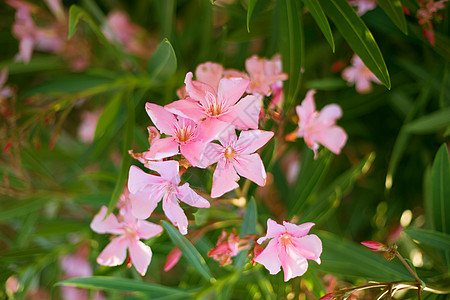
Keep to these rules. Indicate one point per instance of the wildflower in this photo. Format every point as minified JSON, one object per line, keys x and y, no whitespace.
{"x":146,"y":190}
{"x":129,"y":231}
{"x":86,"y":130}
{"x":290,"y":247}
{"x":428,"y":13}
{"x":319,"y":127}
{"x":375,"y":246}
{"x":363,"y":5}
{"x":236,"y":156}
{"x":359,"y":75}
{"x":226,"y":248}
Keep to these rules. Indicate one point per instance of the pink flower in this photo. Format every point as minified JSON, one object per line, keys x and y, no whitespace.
{"x":86,"y":130}
{"x":319,"y":127}
{"x":428,"y":13}
{"x":375,"y":246}
{"x":12,"y":285}
{"x":290,"y":247}
{"x":236,"y":156}
{"x":129,"y":231}
{"x":363,"y":5}
{"x":209,"y":73}
{"x":76,"y":265}
{"x":147,"y":190}
{"x":5,"y":91}
{"x":173,"y":258}
{"x":204,"y":103}
{"x":359,"y":75}
{"x":226,"y":248}
{"x":185,"y":135}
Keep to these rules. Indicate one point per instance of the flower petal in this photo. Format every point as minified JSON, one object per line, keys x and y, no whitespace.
{"x":146,"y":230}
{"x":192,"y":151}
{"x":198,"y":90}
{"x":293,"y":264}
{"x":141,"y":255}
{"x":231,"y":90}
{"x":251,"y":166}
{"x":162,"y":148}
{"x":109,"y":225}
{"x":175,"y":214}
{"x":138,"y":179}
{"x":167,"y":169}
{"x":298,"y":230}
{"x":310,"y":247}
{"x":164,"y":120}
{"x":143,"y":203}
{"x":187,"y":109}
{"x":334,"y":138}
{"x":329,"y":114}
{"x":114,"y":253}
{"x":273,"y":230}
{"x":189,"y":196}
{"x":245,"y":114}
{"x":210,"y":154}
{"x":213,"y":129}
{"x":224,"y":179}
{"x":251,"y":140}
{"x":209,"y":73}
{"x":269,"y":257}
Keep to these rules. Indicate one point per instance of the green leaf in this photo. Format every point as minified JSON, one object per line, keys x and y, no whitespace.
{"x":250,"y":219}
{"x":163,"y":62}
{"x":345,"y":258}
{"x":189,"y":252}
{"x":430,"y":123}
{"x":123,"y":284}
{"x":394,"y":9}
{"x":291,"y":46}
{"x":109,"y":114}
{"x":433,"y":238}
{"x":251,"y":7}
{"x":358,"y":36}
{"x":20,"y":208}
{"x":319,"y":16}
{"x":126,"y":158}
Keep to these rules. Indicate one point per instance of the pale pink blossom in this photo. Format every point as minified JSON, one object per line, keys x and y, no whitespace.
{"x":173,"y":258}
{"x":88,"y":124}
{"x":227,"y":247}
{"x":319,"y":127}
{"x":290,"y":247}
{"x":363,"y":5}
{"x":236,"y":156}
{"x":209,"y":73}
{"x":128,"y":231}
{"x":359,"y":75}
{"x":226,"y":105}
{"x":146,"y":190}
{"x":186,"y":136}
{"x":12,"y":285}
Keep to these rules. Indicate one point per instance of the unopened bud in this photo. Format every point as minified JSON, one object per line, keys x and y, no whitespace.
{"x":375,"y":246}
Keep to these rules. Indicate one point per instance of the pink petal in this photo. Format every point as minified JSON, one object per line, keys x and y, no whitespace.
{"x":231,"y":90}
{"x":146,"y":230}
{"x":213,"y":129}
{"x":251,"y":140}
{"x":251,"y":166}
{"x":329,"y":114}
{"x":293,"y":264}
{"x":138,"y":180}
{"x":114,"y":253}
{"x":143,"y":203}
{"x":172,"y":259}
{"x":211,"y":154}
{"x":298,"y":230}
{"x":273,"y":230}
{"x":162,"y":148}
{"x":307,"y":109}
{"x":192,"y":151}
{"x":209,"y":73}
{"x":187,"y":109}
{"x":26,"y":47}
{"x":175,"y":214}
{"x":269,"y":257}
{"x":167,"y":169}
{"x":245,"y":114}
{"x":141,"y":255}
{"x":310,"y":247}
{"x":109,"y":225}
{"x":363,"y":85}
{"x":255,"y":66}
{"x":164,"y":120}
{"x":224,"y":179}
{"x":189,"y":196}
{"x":198,"y":90}
{"x":334,"y":138}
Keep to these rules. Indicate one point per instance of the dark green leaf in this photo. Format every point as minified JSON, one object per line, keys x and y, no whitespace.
{"x":251,"y":7}
{"x":432,"y":238}
{"x":358,"y":37}
{"x":430,"y":123}
{"x":189,"y":252}
{"x":109,"y":114}
{"x":163,"y":62}
{"x":319,"y":16}
{"x":394,"y":9}
{"x":250,"y":218}
{"x":123,"y":284}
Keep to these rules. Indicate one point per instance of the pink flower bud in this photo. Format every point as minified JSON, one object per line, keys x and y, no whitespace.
{"x":172,"y":259}
{"x":327,"y":296}
{"x":375,"y":246}
{"x":12,"y":285}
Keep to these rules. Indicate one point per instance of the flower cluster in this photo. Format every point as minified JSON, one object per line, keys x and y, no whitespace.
{"x":359,"y":75}
{"x":427,"y":14}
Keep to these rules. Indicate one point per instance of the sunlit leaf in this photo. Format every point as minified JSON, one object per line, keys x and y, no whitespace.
{"x":394,"y":9}
{"x":251,"y":7}
{"x":163,"y":62}
{"x":432,"y":238}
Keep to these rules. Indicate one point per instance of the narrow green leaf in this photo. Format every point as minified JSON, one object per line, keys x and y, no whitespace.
{"x":345,"y":258}
{"x":319,"y":16}
{"x":250,"y":218}
{"x":122,"y":284}
{"x":394,"y":9}
{"x":21,"y":208}
{"x":163,"y":62}
{"x":75,"y":14}
{"x":433,"y":238}
{"x":430,"y":123}
{"x":251,"y":7}
{"x":126,"y":158}
{"x":109,"y":114}
{"x":358,"y":36}
{"x":189,"y":252}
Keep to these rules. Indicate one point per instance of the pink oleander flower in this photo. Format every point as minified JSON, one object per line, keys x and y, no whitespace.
{"x":363,"y":5}
{"x":290,"y":247}
{"x":128,"y":231}
{"x":173,"y":258}
{"x":88,"y":124}
{"x":236,"y":156}
{"x":131,"y":36}
{"x":227,"y":247}
{"x":428,"y":13}
{"x":226,"y":105}
{"x":146,"y":190}
{"x":185,"y":135}
{"x":319,"y":127}
{"x":12,"y":285}
{"x":359,"y":75}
